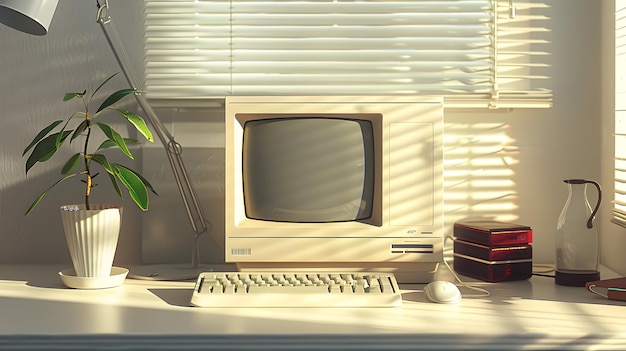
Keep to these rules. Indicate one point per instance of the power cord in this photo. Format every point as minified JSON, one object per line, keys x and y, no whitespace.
{"x":483,"y":292}
{"x":543,"y":270}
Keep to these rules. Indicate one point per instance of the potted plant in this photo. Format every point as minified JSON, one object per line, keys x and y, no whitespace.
{"x":91,"y":229}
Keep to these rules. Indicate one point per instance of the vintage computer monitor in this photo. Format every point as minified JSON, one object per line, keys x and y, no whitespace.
{"x":335,"y":183}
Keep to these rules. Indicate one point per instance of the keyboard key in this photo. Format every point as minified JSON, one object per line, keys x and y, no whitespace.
{"x":288,"y":289}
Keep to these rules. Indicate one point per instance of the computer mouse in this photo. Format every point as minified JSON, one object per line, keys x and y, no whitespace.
{"x":442,"y":291}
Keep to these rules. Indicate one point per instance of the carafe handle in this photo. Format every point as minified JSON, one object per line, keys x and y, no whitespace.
{"x":597,"y":207}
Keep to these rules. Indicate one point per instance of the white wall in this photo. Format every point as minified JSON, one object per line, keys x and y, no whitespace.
{"x":537,"y":148}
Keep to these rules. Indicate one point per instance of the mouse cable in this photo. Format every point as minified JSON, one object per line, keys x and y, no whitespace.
{"x":483,"y":292}
{"x":544,"y":270}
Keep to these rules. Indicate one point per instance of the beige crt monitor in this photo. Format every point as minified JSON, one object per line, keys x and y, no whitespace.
{"x":335,"y":183}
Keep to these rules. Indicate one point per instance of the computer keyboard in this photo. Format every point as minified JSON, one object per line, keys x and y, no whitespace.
{"x":299,"y":289}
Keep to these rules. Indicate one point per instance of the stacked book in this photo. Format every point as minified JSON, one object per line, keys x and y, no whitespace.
{"x":493,"y":251}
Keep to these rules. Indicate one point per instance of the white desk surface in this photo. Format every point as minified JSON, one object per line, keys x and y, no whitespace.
{"x":38,"y":312}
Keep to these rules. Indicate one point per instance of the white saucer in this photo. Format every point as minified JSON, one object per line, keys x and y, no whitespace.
{"x":69,"y":278}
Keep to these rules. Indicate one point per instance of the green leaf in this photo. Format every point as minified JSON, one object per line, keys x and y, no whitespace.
{"x":108,"y":143}
{"x":116,"y":138}
{"x":102,"y":84}
{"x":44,"y":149}
{"x":116,"y":186}
{"x":40,"y":197}
{"x":115,"y":97}
{"x":41,"y":135}
{"x":61,"y":136}
{"x":138,"y":122}
{"x":71,"y":163}
{"x":79,"y":130}
{"x":102,"y":160}
{"x":147,"y":183}
{"x":70,"y":96}
{"x":135,"y":185}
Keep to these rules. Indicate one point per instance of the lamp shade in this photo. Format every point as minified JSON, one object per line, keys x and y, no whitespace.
{"x":28,"y":16}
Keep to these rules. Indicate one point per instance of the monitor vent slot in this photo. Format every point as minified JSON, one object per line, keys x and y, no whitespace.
{"x":242,"y":251}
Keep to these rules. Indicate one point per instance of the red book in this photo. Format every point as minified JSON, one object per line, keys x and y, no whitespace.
{"x":614,"y":289}
{"x":493,"y":253}
{"x":493,"y":233}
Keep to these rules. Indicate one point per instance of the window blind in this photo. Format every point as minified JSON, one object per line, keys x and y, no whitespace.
{"x":619,"y":202}
{"x":481,"y":53}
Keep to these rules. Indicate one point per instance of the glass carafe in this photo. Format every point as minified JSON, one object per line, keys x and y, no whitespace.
{"x":577,"y":241}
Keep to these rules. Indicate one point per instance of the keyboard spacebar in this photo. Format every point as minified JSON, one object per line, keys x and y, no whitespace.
{"x":308,"y":289}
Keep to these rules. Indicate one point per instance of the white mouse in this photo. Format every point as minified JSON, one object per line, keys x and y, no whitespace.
{"x":441,"y":291}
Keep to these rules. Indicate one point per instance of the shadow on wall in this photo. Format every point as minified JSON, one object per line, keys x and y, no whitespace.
{"x":167,"y":235}
{"x":480,"y":162}
{"x":36,"y":72}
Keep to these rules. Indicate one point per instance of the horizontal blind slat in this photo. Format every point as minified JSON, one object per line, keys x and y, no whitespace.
{"x":340,"y":47}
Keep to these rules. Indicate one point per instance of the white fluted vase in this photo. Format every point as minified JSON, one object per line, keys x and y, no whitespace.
{"x":92,"y":237}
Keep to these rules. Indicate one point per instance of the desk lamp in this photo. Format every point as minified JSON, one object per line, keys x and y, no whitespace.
{"x":34,"y":17}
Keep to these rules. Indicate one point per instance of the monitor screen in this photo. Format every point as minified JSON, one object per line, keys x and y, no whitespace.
{"x":315,"y":169}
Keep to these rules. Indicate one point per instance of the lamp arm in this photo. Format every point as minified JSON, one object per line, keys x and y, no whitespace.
{"x":195,"y":213}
